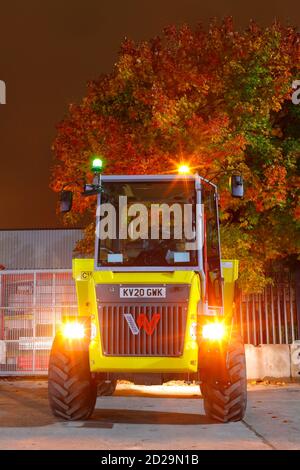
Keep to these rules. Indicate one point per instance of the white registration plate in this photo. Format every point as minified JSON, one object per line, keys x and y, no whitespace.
{"x":142,"y":292}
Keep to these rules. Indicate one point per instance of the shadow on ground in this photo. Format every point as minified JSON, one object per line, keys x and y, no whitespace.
{"x":113,"y":416}
{"x":26,"y":407}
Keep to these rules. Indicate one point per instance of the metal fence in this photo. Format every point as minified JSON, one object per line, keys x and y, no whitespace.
{"x":31,"y":306}
{"x":270,"y":317}
{"x":32,"y":303}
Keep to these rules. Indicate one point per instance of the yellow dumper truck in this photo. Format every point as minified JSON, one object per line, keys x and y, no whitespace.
{"x":156,"y":303}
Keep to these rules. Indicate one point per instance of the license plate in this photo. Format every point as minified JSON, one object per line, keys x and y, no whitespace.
{"x":142,"y":292}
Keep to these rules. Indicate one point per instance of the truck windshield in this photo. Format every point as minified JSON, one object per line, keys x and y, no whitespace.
{"x":147,"y":224}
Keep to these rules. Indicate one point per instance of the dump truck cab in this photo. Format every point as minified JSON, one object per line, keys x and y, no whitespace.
{"x":156,"y":302}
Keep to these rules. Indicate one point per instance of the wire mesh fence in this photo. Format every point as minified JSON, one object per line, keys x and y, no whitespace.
{"x":33,"y":302}
{"x":31,"y":306}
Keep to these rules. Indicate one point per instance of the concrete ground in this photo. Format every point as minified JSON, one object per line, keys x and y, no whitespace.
{"x":167,"y":417}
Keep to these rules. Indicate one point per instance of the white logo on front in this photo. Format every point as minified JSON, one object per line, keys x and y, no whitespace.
{"x":142,"y":321}
{"x":131,"y":323}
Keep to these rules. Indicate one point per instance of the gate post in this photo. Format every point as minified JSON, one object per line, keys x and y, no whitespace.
{"x":297,"y":294}
{"x":34,"y":323}
{"x":1,"y":311}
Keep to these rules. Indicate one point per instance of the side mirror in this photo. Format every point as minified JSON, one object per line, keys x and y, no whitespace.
{"x":66,"y":200}
{"x":237,"y":186}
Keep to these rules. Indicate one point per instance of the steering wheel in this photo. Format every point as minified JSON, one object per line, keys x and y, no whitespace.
{"x":103,"y":248}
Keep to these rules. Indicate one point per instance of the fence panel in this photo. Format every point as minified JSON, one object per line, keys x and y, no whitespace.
{"x":269,"y":317}
{"x":31,"y":306}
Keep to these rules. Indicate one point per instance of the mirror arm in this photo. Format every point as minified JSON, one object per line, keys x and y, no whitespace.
{"x":76,"y":182}
{"x":92,"y":189}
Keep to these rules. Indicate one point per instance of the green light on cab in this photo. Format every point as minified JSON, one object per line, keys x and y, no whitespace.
{"x":97,"y":165}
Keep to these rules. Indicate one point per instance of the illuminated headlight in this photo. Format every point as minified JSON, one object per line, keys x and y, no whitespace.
{"x":214,"y":331}
{"x":73,"y":330}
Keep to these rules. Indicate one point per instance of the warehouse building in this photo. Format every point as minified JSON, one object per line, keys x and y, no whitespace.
{"x":38,"y":249}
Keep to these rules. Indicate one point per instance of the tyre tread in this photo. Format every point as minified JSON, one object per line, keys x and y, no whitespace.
{"x":226,"y":403}
{"x":71,"y":391}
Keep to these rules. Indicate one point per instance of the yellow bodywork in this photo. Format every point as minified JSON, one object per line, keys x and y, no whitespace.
{"x":87,"y":278}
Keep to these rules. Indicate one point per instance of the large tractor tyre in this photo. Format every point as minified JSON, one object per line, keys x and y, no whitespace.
{"x":227,"y":401}
{"x":71,"y":390}
{"x":106,"y":389}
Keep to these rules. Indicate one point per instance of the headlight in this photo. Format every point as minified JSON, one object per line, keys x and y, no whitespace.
{"x":73,"y":330}
{"x":214,"y":331}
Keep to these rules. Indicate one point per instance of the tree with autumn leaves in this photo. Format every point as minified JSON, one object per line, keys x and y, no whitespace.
{"x":217,"y":98}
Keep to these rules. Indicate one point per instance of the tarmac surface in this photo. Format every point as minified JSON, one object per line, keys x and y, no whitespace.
{"x":158,"y":417}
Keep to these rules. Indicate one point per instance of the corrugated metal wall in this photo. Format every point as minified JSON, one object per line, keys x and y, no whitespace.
{"x":38,"y":249}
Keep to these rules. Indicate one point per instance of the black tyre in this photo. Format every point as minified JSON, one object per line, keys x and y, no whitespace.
{"x":106,"y":389}
{"x":71,"y":390}
{"x":227,"y":401}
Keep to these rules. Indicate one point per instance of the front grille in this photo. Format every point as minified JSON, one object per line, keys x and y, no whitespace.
{"x":167,"y":339}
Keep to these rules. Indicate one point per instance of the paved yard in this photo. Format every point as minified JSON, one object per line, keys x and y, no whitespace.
{"x":168,"y":417}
